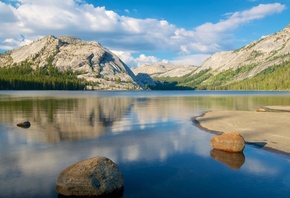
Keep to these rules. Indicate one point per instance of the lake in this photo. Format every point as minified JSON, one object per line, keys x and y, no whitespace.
{"x":149,"y":134}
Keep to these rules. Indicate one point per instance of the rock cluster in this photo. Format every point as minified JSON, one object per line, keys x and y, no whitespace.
{"x":230,"y":142}
{"x":98,"y":176}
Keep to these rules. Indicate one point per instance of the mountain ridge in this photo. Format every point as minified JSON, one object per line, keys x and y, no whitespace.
{"x":165,"y":70}
{"x":267,"y":51}
{"x":262,"y":59}
{"x":92,"y":62}
{"x":105,"y":71}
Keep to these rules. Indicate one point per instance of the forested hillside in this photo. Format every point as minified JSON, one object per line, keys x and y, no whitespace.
{"x":23,"y":77}
{"x":276,"y":77}
{"x":260,"y":65}
{"x":272,"y":78}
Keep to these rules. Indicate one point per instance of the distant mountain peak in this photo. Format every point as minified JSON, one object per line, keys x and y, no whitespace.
{"x":267,"y":51}
{"x":92,"y":61}
{"x":165,"y":70}
{"x":261,"y":65}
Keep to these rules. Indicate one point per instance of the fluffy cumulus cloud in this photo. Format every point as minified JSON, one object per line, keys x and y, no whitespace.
{"x":194,"y":59}
{"x":211,"y":37}
{"x":140,"y":60}
{"x":25,"y":20}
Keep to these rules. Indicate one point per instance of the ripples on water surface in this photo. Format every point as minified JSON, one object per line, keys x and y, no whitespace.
{"x":150,"y":136}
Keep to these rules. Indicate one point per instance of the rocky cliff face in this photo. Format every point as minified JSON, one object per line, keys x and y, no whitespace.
{"x":268,"y":51}
{"x":92,"y":61}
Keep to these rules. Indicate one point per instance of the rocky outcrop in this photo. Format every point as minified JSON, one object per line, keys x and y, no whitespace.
{"x":92,"y":61}
{"x":97,"y":176}
{"x":266,"y":52}
{"x":229,"y":142}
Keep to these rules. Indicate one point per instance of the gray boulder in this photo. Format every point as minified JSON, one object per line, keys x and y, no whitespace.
{"x":98,"y":176}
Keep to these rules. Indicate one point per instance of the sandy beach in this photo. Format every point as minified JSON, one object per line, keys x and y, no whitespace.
{"x":269,"y":129}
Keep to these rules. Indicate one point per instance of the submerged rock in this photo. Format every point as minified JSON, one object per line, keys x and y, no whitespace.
{"x":97,"y":176}
{"x":25,"y":124}
{"x":230,"y":142}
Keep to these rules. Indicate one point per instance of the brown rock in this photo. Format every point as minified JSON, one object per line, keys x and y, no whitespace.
{"x":97,"y":176}
{"x":233,"y":160}
{"x":261,"y":110}
{"x":230,"y":142}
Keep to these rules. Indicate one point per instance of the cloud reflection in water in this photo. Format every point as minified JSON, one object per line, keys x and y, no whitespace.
{"x":152,"y":134}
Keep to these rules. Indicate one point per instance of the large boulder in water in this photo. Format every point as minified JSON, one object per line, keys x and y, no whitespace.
{"x":97,"y":176}
{"x":230,"y":142}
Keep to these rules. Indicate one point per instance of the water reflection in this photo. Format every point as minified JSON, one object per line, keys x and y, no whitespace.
{"x":56,"y":119}
{"x":160,"y":152}
{"x":233,"y":160}
{"x":118,"y":194}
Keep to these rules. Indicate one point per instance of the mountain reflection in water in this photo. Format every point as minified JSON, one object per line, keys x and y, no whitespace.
{"x":150,"y":135}
{"x":56,"y":120}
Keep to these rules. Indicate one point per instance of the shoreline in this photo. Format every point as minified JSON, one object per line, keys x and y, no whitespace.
{"x":267,"y":127}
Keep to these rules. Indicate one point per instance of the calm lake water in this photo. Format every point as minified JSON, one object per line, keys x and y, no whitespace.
{"x":149,"y":134}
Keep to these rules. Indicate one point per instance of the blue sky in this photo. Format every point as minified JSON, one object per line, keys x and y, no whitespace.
{"x":145,"y":31}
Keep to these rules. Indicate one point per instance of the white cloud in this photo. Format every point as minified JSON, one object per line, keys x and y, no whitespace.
{"x":126,"y":57}
{"x":35,"y":18}
{"x":141,"y":60}
{"x":7,"y":13}
{"x":10,"y":43}
{"x":238,"y":18}
{"x":257,"y":12}
{"x":211,"y":37}
{"x":255,"y":166}
{"x":146,"y":60}
{"x":195,"y":59}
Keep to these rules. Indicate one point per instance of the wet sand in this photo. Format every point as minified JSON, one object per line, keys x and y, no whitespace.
{"x":269,"y":129}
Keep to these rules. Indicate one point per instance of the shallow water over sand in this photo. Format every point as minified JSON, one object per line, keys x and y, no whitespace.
{"x":150,"y":135}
